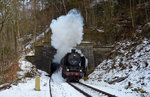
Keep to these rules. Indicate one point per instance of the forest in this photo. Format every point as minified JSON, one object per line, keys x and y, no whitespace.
{"x":105,"y":22}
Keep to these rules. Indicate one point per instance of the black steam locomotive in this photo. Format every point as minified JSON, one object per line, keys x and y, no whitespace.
{"x":73,"y":66}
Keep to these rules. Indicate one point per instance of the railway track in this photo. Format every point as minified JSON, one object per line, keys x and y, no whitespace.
{"x":92,"y":88}
{"x":86,"y":87}
{"x":50,"y":89}
{"x":100,"y":91}
{"x":78,"y":89}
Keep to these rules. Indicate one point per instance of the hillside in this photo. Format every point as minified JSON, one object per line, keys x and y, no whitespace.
{"x":126,"y":69}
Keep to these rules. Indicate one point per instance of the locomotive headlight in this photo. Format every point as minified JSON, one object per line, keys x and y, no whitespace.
{"x":67,"y":69}
{"x":80,"y":70}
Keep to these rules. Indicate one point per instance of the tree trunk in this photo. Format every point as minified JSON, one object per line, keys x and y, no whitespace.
{"x":64,"y":6}
{"x":131,"y":12}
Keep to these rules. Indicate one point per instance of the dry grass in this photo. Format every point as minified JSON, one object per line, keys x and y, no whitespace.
{"x":139,"y":90}
{"x":9,"y":74}
{"x":88,"y":72}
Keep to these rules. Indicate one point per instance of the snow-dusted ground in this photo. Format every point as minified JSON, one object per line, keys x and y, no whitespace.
{"x":61,"y":89}
{"x":26,"y":87}
{"x":131,"y":59}
{"x":30,"y":44}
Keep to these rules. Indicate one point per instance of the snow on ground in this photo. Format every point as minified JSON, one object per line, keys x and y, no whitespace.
{"x":131,"y":60}
{"x":29,"y":45}
{"x":28,"y":4}
{"x":90,"y":91}
{"x":61,"y":89}
{"x":99,"y":1}
{"x":114,"y":90}
{"x":26,"y":87}
{"x":99,"y":30}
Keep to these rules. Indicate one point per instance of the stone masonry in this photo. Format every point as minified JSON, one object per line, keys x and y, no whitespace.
{"x":45,"y":53}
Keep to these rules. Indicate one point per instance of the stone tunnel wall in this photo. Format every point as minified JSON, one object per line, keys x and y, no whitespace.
{"x":95,"y":55}
{"x":44,"y":55}
{"x":87,"y":50}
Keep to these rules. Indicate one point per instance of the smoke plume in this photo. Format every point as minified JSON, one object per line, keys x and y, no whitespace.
{"x":67,"y":32}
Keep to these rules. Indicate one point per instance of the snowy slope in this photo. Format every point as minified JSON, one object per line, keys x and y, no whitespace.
{"x":131,"y":60}
{"x":26,"y":87}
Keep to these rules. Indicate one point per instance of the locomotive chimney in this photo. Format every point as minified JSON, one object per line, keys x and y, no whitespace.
{"x":73,"y":50}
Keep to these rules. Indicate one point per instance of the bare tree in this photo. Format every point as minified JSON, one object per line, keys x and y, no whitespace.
{"x":131,"y":12}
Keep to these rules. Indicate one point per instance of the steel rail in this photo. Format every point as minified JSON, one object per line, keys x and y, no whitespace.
{"x":84,"y":93}
{"x":50,"y":89}
{"x":100,"y":91}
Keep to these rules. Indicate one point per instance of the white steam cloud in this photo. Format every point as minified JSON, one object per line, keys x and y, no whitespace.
{"x":67,"y":32}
